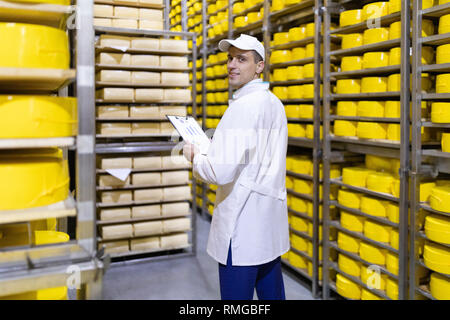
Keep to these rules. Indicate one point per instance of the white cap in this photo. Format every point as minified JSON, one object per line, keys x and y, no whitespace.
{"x":244,"y":42}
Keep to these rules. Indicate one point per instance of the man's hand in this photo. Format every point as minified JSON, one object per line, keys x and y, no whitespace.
{"x":189,"y":151}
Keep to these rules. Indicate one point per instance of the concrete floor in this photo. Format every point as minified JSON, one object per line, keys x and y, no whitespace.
{"x":182,"y":278}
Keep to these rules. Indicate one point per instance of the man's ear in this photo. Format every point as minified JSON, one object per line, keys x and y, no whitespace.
{"x":260,"y":67}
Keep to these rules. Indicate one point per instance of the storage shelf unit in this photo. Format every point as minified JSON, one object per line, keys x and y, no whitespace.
{"x":35,"y":267}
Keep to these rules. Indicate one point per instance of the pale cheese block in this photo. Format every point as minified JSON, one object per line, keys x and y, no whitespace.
{"x":106,"y":40}
{"x":125,"y":23}
{"x":103,"y":10}
{"x":144,"y":112}
{"x":147,"y":228}
{"x":176,"y":193}
{"x":148,"y":195}
{"x":116,"y":94}
{"x":167,"y":128}
{"x":174,"y":241}
{"x":115,"y":246}
{"x":118,"y":76}
{"x":177,"y":95}
{"x":175,"y":78}
{"x":123,"y":59}
{"x":147,"y":78}
{"x":152,"y":211}
{"x":150,"y":25}
{"x":107,"y":112}
{"x":126,"y":12}
{"x":127,"y":2}
{"x":154,"y":2}
{"x":173,"y":111}
{"x":102,"y":22}
{"x":176,"y":225}
{"x":144,"y":244}
{"x":174,"y":62}
{"x":116,"y":163}
{"x":173,"y":45}
{"x":175,"y":209}
{"x":174,"y":162}
{"x":114,"y":128}
{"x":122,"y":196}
{"x":115,"y":214}
{"x":175,"y":177}
{"x":149,"y":95}
{"x":147,"y":163}
{"x":145,"y":128}
{"x":151,"y":14}
{"x":117,"y":231}
{"x":148,"y":178}
{"x":145,"y":43}
{"x":147,"y":60}
{"x":107,"y":180}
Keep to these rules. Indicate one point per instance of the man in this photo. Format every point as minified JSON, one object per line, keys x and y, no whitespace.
{"x":247,"y":160}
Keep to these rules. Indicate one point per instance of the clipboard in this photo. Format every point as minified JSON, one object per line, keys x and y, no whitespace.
{"x":191,"y":132}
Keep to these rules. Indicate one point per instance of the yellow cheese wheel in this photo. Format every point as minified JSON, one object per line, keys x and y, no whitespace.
{"x":348,"y":265}
{"x":345,"y":86}
{"x":296,"y":130}
{"x":33,"y":46}
{"x":347,"y":288}
{"x":395,"y":30}
{"x":310,"y":270}
{"x":394,"y":6}
{"x":375,"y":60}
{"x":279,"y":56}
{"x":349,"y":17}
{"x":375,"y":35}
{"x":347,"y":108}
{"x":437,"y":228}
{"x":392,"y":289}
{"x":355,"y":176}
{"x":372,"y":253}
{"x":443,"y":54}
{"x":253,"y":17}
{"x":299,"y":243}
{"x":425,"y":190}
{"x":23,"y":116}
{"x":310,"y":29}
{"x":395,"y":56}
{"x":444,"y":24}
{"x":394,"y":238}
{"x":347,"y":242}
{"x":240,"y":22}
{"x":308,"y":70}
{"x":292,"y":111}
{"x":393,"y":83}
{"x":308,"y":91}
{"x":440,"y":198}
{"x":370,"y":109}
{"x":310,"y":131}
{"x":306,"y":111}
{"x":445,"y":142}
{"x":443,"y":83}
{"x":293,"y":72}
{"x":373,"y":84}
{"x":380,"y":182}
{"x":429,"y":3}
{"x":297,"y":33}
{"x":279,"y":75}
{"x":437,"y":257}
{"x":349,"y":198}
{"x":298,"y":53}
{"x":371,"y":130}
{"x":345,"y":128}
{"x":297,"y":260}
{"x":393,"y":132}
{"x":295,"y":92}
{"x":302,"y":165}
{"x":238,"y":7}
{"x":377,"y":163}
{"x":30,"y":179}
{"x":351,"y":63}
{"x":368,"y":295}
{"x":280,"y":92}
{"x":351,"y":40}
{"x":373,"y":206}
{"x":277,"y":5}
{"x":377,"y":231}
{"x":280,"y":38}
{"x":298,"y":204}
{"x":392,"y":109}
{"x":440,"y":286}
{"x":299,"y":224}
{"x":352,"y":222}
{"x":375,"y":10}
{"x":373,"y":278}
{"x":302,"y":186}
{"x":392,"y":262}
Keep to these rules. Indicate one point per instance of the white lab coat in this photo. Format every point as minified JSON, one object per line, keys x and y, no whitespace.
{"x":247,"y":160}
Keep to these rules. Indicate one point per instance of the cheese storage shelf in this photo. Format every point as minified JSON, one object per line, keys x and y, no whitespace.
{"x":135,"y":187}
{"x":366,"y":96}
{"x":301,"y":234}
{"x":299,"y":175}
{"x":125,"y":136}
{"x":134,"y":147}
{"x":148,"y":170}
{"x":101,"y":240}
{"x":133,"y":203}
{"x":424,"y":290}
{"x":252,"y":29}
{"x":427,"y":207}
{"x":365,"y":72}
{"x":356,"y":28}
{"x":301,"y":7}
{"x":300,"y":120}
{"x":167,"y":250}
{"x":435,"y":153}
{"x":436,"y":96}
{"x":102,"y":84}
{"x":63,"y":142}
{"x":110,"y":222}
{"x":131,"y":119}
{"x":300,"y":142}
{"x":422,"y":235}
{"x":300,"y":214}
{"x":300,"y":195}
{"x":100,"y":66}
{"x":379,"y":46}
{"x":436,"y":68}
{"x":436,"y":40}
{"x":152,"y":102}
{"x":292,"y":82}
{"x":421,"y":263}
{"x":131,"y":4}
{"x":436,"y":11}
{"x":99,"y":49}
{"x":302,"y":272}
{"x":385,"y":196}
{"x":362,"y":214}
{"x":299,"y":62}
{"x":370,"y":119}
{"x":368,"y":142}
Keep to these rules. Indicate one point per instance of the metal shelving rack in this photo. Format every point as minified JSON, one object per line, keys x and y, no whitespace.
{"x":437,"y":161}
{"x":383,"y":148}
{"x":30,"y":268}
{"x":121,"y":145}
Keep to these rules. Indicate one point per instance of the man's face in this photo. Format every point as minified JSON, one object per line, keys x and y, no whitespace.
{"x":242,"y":67}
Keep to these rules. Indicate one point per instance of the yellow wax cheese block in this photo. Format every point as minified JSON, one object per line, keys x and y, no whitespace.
{"x":151,"y":211}
{"x":310,"y":131}
{"x":371,"y":130}
{"x":392,"y":262}
{"x":302,"y":186}
{"x":437,"y":257}
{"x":440,"y":198}
{"x":349,"y":266}
{"x":347,"y":288}
{"x":375,"y":60}
{"x":395,"y":56}
{"x":349,"y":17}
{"x":292,"y":111}
{"x":310,"y":29}
{"x":238,"y":7}
{"x":375,"y":10}
{"x":345,"y":86}
{"x":373,"y":278}
{"x":394,"y":6}
{"x":277,"y":5}
{"x":280,"y":38}
{"x":293,"y":73}
{"x":440,"y":286}
{"x":308,"y":91}
{"x":34,"y":46}
{"x":372,"y":253}
{"x":253,"y":17}
{"x":444,"y":24}
{"x":349,"y":198}
{"x":240,"y":22}
{"x":351,"y":63}
{"x":174,"y":241}
{"x":394,"y":238}
{"x":393,"y":212}
{"x":443,"y":54}
{"x":373,"y":84}
{"x":298,"y":242}
{"x":302,"y":165}
{"x":351,"y":221}
{"x":346,"y":108}
{"x":437,"y":228}
{"x":297,"y":260}
{"x":279,"y":75}
{"x":380,"y":182}
{"x":296,"y":130}
{"x":377,"y":231}
{"x":355,"y":176}
{"x":348,"y":243}
{"x":395,"y":30}
{"x":445,"y":143}
{"x":442,"y":83}
{"x":373,"y":206}
{"x":297,"y":33}
{"x":368,"y":295}
{"x":37,"y":116}
{"x":377,"y":163}
{"x":298,"y":204}
{"x":392,"y":289}
{"x":374,"y":35}
{"x":295,"y":92}
{"x":280,"y":92}
{"x":299,"y":224}
{"x":393,"y":132}
{"x":279,"y":56}
{"x":351,"y":40}
{"x":306,"y":111}
{"x":371,"y":109}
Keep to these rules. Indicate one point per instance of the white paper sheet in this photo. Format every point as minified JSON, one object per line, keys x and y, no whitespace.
{"x":191,"y":132}
{"x":121,"y":174}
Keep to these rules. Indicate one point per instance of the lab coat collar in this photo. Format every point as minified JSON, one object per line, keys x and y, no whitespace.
{"x":254,"y":85}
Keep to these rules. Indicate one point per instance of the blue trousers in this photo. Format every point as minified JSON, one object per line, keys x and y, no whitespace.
{"x":239,"y":282}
